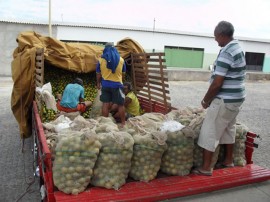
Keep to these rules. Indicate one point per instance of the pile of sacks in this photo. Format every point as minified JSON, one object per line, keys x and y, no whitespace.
{"x":97,"y":152}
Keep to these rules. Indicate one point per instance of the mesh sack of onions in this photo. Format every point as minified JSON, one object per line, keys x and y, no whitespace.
{"x":106,"y":124}
{"x":178,"y":158}
{"x":147,"y":153}
{"x":75,"y":156}
{"x":198,"y":155}
{"x":114,"y":160}
{"x":239,"y":158}
{"x":146,"y":123}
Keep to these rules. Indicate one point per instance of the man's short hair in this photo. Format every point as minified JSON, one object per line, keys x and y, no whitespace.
{"x":128,"y":84}
{"x":109,"y":44}
{"x":225,"y":28}
{"x":78,"y":81}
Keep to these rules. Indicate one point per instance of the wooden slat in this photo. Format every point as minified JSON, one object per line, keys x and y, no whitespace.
{"x":39,"y":58}
{"x":158,"y":78}
{"x":156,"y":66}
{"x":39,"y":64}
{"x":149,"y":60}
{"x":136,"y":65}
{"x":39,"y":51}
{"x":140,"y":75}
{"x":152,"y":97}
{"x":159,"y":89}
{"x":39,"y":71}
{"x":155,"y":88}
{"x":39,"y":78}
{"x":139,"y":65}
{"x":155,"y":60}
{"x":158,"y":83}
{"x":157,"y":93}
{"x":150,"y":80}
{"x":154,"y":94}
{"x":147,"y":54}
{"x":149,"y":71}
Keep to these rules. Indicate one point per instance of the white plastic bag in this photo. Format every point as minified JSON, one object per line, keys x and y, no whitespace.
{"x":171,"y":126}
{"x":62,"y":123}
{"x":96,"y":110}
{"x":47,"y":97}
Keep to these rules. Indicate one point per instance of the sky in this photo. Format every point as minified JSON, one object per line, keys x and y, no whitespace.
{"x":250,"y":18}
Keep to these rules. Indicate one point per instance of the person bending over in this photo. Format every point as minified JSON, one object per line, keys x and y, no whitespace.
{"x":73,"y":98}
{"x":110,"y":72}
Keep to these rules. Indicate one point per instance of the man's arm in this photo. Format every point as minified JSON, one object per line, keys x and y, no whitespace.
{"x":212,"y":91}
{"x":98,"y":75}
{"x":124,"y":72}
{"x":81,"y":99}
{"x":127,"y":101}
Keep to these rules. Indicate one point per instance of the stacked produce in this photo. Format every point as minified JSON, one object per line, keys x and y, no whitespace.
{"x":147,"y":153}
{"x":75,"y":156}
{"x":146,"y":123}
{"x":59,"y":78}
{"x":114,"y":161}
{"x":178,"y":158}
{"x":239,"y":158}
{"x":149,"y":146}
{"x":198,"y":156}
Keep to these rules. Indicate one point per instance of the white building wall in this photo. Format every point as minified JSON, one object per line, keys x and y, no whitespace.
{"x":147,"y":39}
{"x":8,"y":35}
{"x":155,"y":40}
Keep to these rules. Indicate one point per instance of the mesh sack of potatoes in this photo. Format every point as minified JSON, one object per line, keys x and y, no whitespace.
{"x":239,"y":158}
{"x":80,"y":123}
{"x":184,"y":115}
{"x":146,"y":123}
{"x":51,"y":139}
{"x":198,"y":155}
{"x":75,"y":156}
{"x":196,"y":125}
{"x":106,"y":124}
{"x":114,"y":160}
{"x":178,"y":158}
{"x":147,"y":153}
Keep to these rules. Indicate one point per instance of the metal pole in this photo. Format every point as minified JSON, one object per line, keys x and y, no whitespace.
{"x":50,"y":24}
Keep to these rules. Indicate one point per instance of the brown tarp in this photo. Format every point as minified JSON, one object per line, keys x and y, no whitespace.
{"x":77,"y":57}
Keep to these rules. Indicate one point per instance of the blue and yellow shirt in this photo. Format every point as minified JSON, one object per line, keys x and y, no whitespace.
{"x":109,"y":79}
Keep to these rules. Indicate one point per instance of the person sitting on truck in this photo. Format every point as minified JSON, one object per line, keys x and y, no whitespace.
{"x":223,"y":99}
{"x":132,"y":104}
{"x":110,"y":73}
{"x":73,"y":98}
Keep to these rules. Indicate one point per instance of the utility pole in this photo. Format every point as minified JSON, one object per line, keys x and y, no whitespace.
{"x":50,"y":23}
{"x":154,"y":25}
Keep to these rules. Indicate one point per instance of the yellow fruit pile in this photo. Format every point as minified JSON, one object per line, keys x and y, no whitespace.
{"x":59,"y":78}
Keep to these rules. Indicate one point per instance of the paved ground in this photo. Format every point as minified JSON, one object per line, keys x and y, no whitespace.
{"x":16,"y":167}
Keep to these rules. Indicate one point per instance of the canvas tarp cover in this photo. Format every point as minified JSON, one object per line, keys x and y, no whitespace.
{"x":77,"y":57}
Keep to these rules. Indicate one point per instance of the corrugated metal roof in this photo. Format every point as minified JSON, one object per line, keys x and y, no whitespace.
{"x":120,"y":27}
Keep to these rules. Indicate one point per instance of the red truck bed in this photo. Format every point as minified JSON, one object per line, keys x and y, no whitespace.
{"x":164,"y":187}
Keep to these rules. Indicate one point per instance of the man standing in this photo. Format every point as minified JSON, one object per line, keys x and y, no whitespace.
{"x":110,"y":73}
{"x":223,"y":99}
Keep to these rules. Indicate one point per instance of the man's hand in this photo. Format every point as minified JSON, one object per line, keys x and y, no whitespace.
{"x":204,"y":104}
{"x":98,"y":86}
